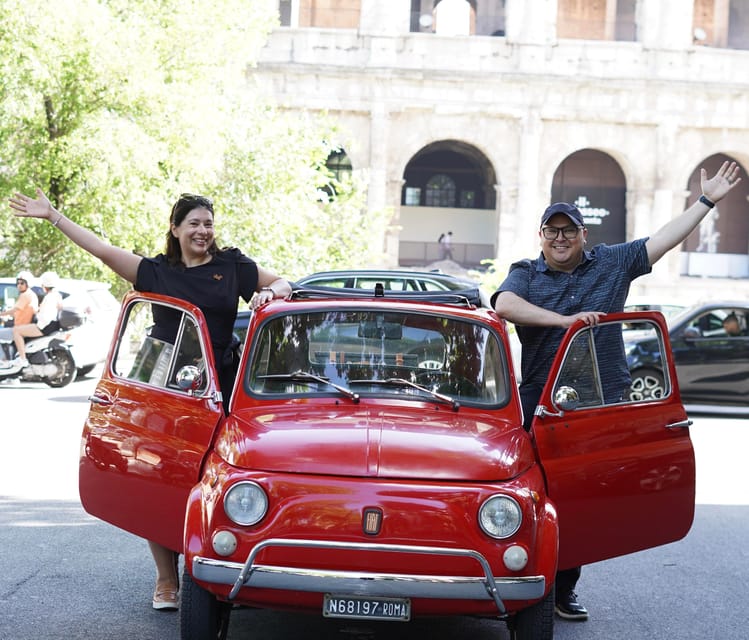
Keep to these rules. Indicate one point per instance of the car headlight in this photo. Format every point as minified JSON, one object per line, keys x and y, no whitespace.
{"x":246,"y":503}
{"x":500,"y":516}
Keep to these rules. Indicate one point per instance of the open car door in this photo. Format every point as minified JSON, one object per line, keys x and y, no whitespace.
{"x":621,"y":472}
{"x":151,"y":420}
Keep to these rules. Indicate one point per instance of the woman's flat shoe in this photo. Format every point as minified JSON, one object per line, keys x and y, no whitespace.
{"x":165,"y":599}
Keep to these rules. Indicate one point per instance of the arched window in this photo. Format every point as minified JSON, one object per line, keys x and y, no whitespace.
{"x":339,"y":165}
{"x":440,"y":191}
{"x":607,"y":20}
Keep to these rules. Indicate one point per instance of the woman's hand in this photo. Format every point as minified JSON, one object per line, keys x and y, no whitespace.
{"x":264,"y":296}
{"x":26,"y":207}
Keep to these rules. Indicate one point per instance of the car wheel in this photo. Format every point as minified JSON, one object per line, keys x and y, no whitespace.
{"x":65,"y":369}
{"x":202,"y":617}
{"x":535,"y":622}
{"x":647,"y":384}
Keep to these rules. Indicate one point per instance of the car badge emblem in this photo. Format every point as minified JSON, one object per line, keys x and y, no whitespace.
{"x":372,"y":521}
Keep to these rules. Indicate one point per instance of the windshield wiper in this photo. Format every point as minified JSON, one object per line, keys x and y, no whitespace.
{"x":402,"y":382}
{"x":305,"y":376}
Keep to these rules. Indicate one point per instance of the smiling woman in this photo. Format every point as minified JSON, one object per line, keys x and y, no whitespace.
{"x":194,"y":269}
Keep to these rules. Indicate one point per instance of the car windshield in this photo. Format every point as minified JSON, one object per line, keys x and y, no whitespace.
{"x":371,"y":353}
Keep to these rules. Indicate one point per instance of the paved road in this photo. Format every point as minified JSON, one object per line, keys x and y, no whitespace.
{"x":68,"y":576}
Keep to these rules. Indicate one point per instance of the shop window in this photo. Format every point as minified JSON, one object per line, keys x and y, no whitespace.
{"x":440,"y":191}
{"x":413,"y":196}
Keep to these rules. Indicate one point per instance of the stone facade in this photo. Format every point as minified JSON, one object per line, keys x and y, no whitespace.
{"x":658,"y":105}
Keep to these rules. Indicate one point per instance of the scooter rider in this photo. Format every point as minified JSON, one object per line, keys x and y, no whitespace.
{"x":46,"y":319}
{"x":22,"y":312}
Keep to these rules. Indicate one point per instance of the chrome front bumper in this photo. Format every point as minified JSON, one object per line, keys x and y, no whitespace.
{"x":486,"y":587}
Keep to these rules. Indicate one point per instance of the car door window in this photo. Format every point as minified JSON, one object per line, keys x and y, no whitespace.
{"x":157,"y":342}
{"x":620,"y":472}
{"x":600,"y":369}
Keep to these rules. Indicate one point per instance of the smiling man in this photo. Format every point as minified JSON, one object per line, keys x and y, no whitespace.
{"x":566,"y":283}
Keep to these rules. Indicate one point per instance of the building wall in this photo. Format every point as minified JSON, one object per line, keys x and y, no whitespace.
{"x":659,"y":106}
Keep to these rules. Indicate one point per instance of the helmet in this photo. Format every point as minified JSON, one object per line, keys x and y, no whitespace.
{"x":26,"y":276}
{"x":49,"y":280}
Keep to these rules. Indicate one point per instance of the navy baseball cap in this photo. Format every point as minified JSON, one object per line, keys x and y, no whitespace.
{"x":570,"y":210}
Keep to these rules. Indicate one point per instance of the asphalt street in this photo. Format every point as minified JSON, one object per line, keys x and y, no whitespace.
{"x":66,"y":575}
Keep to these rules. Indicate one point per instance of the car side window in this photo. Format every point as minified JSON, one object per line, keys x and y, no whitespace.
{"x":155,"y":343}
{"x":717,"y":323}
{"x":605,"y":365}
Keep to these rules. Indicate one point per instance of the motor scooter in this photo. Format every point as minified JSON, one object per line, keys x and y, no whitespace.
{"x":50,"y":361}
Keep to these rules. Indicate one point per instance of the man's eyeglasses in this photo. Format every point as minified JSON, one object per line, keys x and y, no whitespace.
{"x":552,"y":233}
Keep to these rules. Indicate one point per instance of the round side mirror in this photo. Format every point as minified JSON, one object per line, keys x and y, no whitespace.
{"x":189,"y":378}
{"x":566,"y":398}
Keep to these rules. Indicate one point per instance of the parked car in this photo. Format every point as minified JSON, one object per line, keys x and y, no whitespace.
{"x":391,"y":280}
{"x":712,"y":365}
{"x":368,"y":279}
{"x":372,"y":462}
{"x":668,"y":308}
{"x":98,"y":309}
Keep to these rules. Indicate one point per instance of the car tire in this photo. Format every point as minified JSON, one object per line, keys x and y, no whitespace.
{"x":536,"y":622}
{"x":647,"y":384}
{"x":65,"y":369}
{"x":202,"y":616}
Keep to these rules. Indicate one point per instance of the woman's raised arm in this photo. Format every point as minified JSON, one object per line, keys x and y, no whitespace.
{"x":123,"y":263}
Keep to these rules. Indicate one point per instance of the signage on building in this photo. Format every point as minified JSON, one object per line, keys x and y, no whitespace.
{"x":592,"y":216}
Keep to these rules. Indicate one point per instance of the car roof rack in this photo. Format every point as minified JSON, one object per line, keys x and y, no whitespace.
{"x":459,"y":297}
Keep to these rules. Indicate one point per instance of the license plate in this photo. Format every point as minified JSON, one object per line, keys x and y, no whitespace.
{"x":364,"y":607}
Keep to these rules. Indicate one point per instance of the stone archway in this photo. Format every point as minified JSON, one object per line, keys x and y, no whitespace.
{"x":719,"y":247}
{"x":448,"y":185}
{"x":595,"y":183}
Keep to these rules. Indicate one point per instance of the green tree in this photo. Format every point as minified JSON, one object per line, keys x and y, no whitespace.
{"x":114,"y":107}
{"x":279,"y":197}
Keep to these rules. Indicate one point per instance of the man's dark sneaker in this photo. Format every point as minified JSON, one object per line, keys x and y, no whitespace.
{"x":569,"y":608}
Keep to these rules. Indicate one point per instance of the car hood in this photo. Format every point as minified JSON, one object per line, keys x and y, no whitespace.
{"x":428,"y":444}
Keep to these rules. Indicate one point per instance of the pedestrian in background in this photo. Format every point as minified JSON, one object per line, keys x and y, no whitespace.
{"x":22,"y":312}
{"x":446,"y":246}
{"x":46,"y":319}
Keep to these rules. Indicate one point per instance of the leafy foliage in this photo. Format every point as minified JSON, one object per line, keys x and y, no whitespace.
{"x":280,"y":198}
{"x":114,"y":107}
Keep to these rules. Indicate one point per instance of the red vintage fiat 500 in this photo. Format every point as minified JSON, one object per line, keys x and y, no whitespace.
{"x":373,"y":464}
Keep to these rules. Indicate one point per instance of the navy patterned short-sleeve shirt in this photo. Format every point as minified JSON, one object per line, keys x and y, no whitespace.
{"x":599,"y":283}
